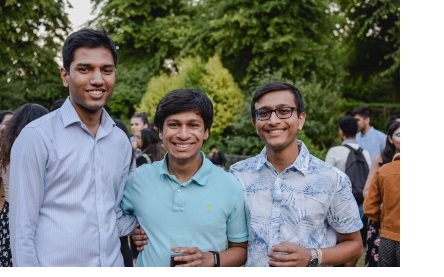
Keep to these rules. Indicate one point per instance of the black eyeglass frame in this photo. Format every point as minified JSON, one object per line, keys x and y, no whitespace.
{"x":255,"y":112}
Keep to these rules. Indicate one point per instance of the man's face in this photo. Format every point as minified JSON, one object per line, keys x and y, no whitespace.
{"x":362,"y":122}
{"x":91,"y":79}
{"x":183,"y":135}
{"x":275,"y":132}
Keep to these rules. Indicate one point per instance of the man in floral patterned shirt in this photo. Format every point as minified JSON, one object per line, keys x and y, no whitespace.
{"x":300,"y":210}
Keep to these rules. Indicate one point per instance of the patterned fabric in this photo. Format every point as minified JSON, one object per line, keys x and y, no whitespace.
{"x":389,"y":253}
{"x":372,"y":244}
{"x":307,"y":203}
{"x":5,"y":247}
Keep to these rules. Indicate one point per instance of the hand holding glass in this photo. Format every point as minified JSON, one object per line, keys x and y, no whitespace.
{"x":179,"y":241}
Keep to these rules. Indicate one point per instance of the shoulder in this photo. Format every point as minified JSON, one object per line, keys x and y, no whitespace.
{"x":247,"y":165}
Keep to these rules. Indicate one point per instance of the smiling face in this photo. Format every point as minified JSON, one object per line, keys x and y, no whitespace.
{"x":137,"y":125}
{"x":278,"y":134}
{"x":183,"y":135}
{"x":90,"y":79}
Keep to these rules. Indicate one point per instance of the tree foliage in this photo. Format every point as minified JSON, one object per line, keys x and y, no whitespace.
{"x":371,"y":34}
{"x":340,"y":54}
{"x":31,"y":33}
{"x":254,"y":37}
{"x":211,"y":77}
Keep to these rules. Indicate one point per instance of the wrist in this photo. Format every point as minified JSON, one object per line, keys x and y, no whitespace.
{"x":216,"y":258}
{"x":319,"y":256}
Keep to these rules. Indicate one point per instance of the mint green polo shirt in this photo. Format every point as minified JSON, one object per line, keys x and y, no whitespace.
{"x":209,"y":208}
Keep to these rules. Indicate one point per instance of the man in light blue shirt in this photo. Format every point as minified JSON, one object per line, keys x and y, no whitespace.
{"x":68,"y":168}
{"x":368,"y":137}
{"x":300,"y":210}
{"x":185,"y":194}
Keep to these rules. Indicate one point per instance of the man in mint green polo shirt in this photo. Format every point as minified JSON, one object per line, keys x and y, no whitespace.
{"x":185,"y":193}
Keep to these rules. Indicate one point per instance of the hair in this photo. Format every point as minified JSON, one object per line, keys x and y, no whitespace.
{"x":89,"y":38}
{"x":392,"y":118}
{"x":184,"y":100}
{"x":151,"y":144}
{"x":278,"y":86}
{"x":348,"y":126}
{"x":212,"y":146}
{"x":389,"y":150}
{"x":143,"y":116}
{"x":362,"y":111}
{"x":3,"y":114}
{"x":57,"y":104}
{"x":22,"y":116}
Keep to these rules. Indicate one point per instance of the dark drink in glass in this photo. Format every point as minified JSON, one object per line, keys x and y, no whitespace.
{"x":173,"y":263}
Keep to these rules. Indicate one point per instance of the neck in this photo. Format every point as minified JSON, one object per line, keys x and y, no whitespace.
{"x":184,"y":170}
{"x":283,"y":158}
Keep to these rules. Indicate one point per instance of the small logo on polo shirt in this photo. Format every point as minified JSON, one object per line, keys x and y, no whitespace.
{"x":209,"y":208}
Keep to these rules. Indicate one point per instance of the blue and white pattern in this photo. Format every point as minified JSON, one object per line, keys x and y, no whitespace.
{"x":307,"y":203}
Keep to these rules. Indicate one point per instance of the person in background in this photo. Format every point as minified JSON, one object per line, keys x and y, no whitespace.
{"x":297,"y":205}
{"x":139,"y":121}
{"x":385,"y":191}
{"x":392,"y":147}
{"x":151,"y":146}
{"x":185,"y":193}
{"x":5,"y":116}
{"x":21,"y":117}
{"x":217,"y":157}
{"x":368,"y":137}
{"x":125,"y":240}
{"x":68,"y":168}
{"x":57,"y":104}
{"x":337,"y":157}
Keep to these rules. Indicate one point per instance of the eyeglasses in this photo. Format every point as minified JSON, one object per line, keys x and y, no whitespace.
{"x":282,"y":113}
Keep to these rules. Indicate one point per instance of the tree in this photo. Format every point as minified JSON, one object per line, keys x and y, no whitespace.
{"x":371,"y":33}
{"x":211,"y":77}
{"x":255,"y":37}
{"x":31,"y":32}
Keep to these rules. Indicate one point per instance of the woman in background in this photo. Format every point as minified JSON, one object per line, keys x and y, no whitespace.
{"x":21,"y":117}
{"x":392,"y":147}
{"x":151,"y":147}
{"x":139,"y":121}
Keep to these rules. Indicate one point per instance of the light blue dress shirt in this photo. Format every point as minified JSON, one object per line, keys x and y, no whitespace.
{"x":65,"y":191}
{"x":373,"y":141}
{"x":306,"y":204}
{"x":209,"y":208}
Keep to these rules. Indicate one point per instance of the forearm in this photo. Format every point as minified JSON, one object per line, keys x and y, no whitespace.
{"x":347,"y":250}
{"x":234,"y":256}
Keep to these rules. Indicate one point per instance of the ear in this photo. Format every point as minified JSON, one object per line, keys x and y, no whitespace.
{"x":160,"y":136}
{"x":64,"y":76}
{"x":253,"y":121}
{"x":206,"y":135}
{"x":301,"y":120}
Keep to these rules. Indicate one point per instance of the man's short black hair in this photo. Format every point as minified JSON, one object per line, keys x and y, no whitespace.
{"x":362,"y":111}
{"x":348,"y":126}
{"x":89,"y":38}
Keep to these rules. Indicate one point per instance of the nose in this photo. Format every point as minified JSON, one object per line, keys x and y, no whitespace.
{"x":274,"y":117}
{"x":183,"y":133}
{"x":96,"y":78}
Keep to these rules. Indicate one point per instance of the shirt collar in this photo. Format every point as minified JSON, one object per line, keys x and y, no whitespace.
{"x":69,"y":116}
{"x":200,"y":177}
{"x":300,"y":164}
